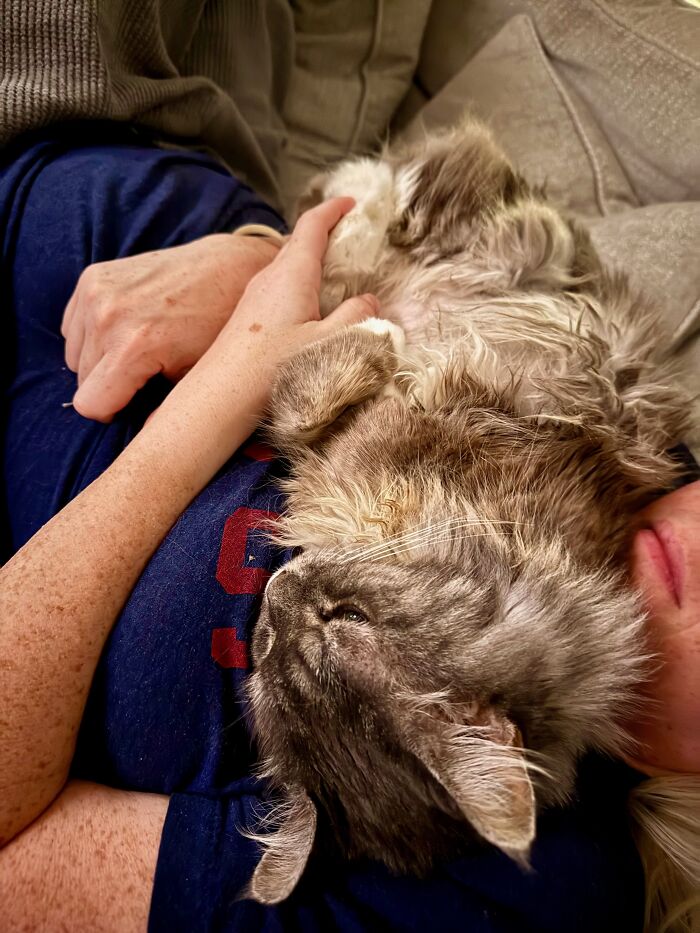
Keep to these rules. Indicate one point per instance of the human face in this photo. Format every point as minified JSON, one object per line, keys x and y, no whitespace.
{"x":665,"y":566}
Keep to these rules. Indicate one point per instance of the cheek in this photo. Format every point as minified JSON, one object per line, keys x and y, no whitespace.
{"x":376,"y":664}
{"x":360,"y":653}
{"x":670,"y":738}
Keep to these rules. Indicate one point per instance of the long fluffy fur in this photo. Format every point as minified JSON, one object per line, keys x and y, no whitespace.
{"x":514,"y":416}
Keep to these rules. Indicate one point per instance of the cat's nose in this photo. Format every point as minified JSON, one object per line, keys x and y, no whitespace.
{"x":289,"y":602}
{"x":283,"y":588}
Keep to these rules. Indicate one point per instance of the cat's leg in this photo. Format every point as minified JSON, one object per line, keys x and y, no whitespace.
{"x":356,"y":244}
{"x":324,"y":379}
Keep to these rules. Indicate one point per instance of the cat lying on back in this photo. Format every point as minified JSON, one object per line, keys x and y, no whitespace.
{"x":457,"y":630}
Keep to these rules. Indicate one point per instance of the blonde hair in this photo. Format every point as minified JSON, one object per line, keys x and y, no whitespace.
{"x":666,"y":817}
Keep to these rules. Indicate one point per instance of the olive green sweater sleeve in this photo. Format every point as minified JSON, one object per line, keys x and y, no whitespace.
{"x":200,"y":72}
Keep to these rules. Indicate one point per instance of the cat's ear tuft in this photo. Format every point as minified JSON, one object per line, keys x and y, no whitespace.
{"x":287,"y":850}
{"x":481,"y":764}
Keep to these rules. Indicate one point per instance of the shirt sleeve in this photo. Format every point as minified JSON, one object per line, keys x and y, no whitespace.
{"x":204,"y":864}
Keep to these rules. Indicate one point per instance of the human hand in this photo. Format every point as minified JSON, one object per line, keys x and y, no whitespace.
{"x":218,"y":403}
{"x":280,"y":311}
{"x":158,"y":312}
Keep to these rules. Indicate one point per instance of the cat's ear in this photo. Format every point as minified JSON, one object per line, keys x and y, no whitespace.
{"x":287,"y":850}
{"x":481,"y":764}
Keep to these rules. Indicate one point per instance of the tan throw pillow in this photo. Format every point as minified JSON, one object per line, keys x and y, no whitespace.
{"x":544,"y":128}
{"x":635,"y":64}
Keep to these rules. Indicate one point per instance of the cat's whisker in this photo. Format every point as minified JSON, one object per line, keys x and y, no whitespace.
{"x":404,"y":535}
{"x":420,"y":533}
{"x":411,"y":546}
{"x":422,"y":537}
{"x":403,"y":549}
{"x":390,"y":547}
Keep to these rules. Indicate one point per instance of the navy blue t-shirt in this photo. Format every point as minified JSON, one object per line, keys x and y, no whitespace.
{"x":166,"y":712}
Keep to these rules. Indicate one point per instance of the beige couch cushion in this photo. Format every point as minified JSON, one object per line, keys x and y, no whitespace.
{"x":544,"y":128}
{"x":551,"y":136}
{"x":633,"y":62}
{"x":657,"y":246}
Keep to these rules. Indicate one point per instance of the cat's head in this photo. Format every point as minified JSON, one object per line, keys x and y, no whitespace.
{"x":417,"y":703}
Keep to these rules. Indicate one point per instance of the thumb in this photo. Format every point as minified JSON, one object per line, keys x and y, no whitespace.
{"x":352,"y":311}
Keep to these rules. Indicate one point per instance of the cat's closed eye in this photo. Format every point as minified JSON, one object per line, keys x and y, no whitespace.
{"x":344,"y":612}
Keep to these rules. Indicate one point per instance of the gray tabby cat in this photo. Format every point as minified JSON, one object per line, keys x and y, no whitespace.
{"x":457,"y":630}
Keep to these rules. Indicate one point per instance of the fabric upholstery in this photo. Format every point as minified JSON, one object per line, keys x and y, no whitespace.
{"x":553,"y":139}
{"x":634,"y":62}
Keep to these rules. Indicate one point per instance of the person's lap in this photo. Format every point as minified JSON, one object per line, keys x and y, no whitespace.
{"x":165,"y":713}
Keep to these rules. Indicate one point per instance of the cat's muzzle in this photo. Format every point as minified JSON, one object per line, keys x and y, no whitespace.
{"x":285,"y":610}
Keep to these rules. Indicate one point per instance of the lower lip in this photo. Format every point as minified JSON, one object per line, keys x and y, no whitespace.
{"x":662,"y":549}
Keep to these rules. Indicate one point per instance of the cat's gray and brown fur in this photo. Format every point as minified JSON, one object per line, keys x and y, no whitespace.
{"x":457,"y":630}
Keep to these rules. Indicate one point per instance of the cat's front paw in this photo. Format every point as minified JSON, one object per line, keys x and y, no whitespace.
{"x":324,"y":379}
{"x":355,"y":243}
{"x":380,"y":326}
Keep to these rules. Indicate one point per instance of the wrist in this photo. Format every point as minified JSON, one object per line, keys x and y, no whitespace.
{"x":208,"y":415}
{"x":250,"y":251}
{"x":256,"y":240}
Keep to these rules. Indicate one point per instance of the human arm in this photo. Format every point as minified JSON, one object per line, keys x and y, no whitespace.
{"x":87,"y":863}
{"x":62,"y":592}
{"x":157,"y":312}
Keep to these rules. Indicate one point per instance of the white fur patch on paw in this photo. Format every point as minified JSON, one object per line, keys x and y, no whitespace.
{"x":358,"y":238}
{"x":379,"y":326}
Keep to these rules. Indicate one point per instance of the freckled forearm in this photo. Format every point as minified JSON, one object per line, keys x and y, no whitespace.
{"x":60,"y":595}
{"x":87,"y":863}
{"x":62,"y":592}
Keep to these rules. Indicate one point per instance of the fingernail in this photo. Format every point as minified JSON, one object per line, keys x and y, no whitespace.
{"x":371,"y":300}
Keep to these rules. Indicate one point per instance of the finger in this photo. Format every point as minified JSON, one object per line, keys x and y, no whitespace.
{"x":91,"y":352}
{"x":353,"y":311}
{"x":73,"y":329}
{"x":111,"y":385}
{"x":310,"y":236}
{"x":75,"y":337}
{"x":69,"y":312}
{"x":302,"y":256}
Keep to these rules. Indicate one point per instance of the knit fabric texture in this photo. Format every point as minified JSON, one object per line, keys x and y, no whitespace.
{"x":205,"y":72}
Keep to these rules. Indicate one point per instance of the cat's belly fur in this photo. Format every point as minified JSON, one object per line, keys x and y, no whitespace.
{"x":408,"y":313}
